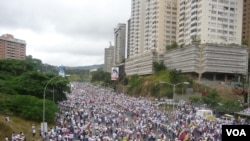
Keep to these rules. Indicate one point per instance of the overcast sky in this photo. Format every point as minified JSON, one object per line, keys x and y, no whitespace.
{"x":64,"y":32}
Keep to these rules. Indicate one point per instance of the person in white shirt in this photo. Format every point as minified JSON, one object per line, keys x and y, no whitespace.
{"x":33,"y":130}
{"x":71,"y":136}
{"x":59,"y":137}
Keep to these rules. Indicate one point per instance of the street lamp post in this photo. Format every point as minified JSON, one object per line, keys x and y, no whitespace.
{"x":248,"y":90}
{"x":174,"y":85}
{"x":44,"y":94}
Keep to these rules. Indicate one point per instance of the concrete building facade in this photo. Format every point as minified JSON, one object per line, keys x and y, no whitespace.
{"x":120,"y":44}
{"x":210,"y":33}
{"x":246,"y":22}
{"x":210,"y":21}
{"x":128,"y":40}
{"x":209,"y":58}
{"x":142,"y":65}
{"x":108,"y":58}
{"x":12,"y":48}
{"x":152,"y":27}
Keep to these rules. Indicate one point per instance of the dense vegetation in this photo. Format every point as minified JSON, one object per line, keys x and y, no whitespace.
{"x":158,"y":85}
{"x":213,"y":100}
{"x":76,"y":74}
{"x":23,"y":84}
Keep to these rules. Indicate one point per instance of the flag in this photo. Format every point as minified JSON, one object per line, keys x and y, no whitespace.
{"x":186,"y":138}
{"x":182,"y":136}
{"x":89,"y":125}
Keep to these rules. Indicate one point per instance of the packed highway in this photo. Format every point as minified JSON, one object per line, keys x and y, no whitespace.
{"x":95,"y":114}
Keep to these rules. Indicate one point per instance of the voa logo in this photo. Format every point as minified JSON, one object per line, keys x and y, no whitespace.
{"x":236,"y":132}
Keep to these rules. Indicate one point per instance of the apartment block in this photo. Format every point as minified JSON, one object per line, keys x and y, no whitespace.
{"x":128,"y":40}
{"x":246,"y":22}
{"x":209,"y":59}
{"x":152,"y":27}
{"x":12,"y":48}
{"x":120,"y":44}
{"x":108,"y":58}
{"x":210,"y":21}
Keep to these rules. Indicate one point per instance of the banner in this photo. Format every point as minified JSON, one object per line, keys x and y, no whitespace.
{"x":114,"y":73}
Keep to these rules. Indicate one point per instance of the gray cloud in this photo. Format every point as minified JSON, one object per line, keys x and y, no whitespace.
{"x":74,"y":28}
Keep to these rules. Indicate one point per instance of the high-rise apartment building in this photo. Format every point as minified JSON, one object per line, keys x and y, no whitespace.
{"x":12,"y":48}
{"x":152,"y":26}
{"x":246,"y":22}
{"x":210,"y":21}
{"x":120,"y":43}
{"x":108,"y":58}
{"x":128,"y":40}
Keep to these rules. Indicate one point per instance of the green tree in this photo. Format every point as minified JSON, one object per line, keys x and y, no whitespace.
{"x":98,"y":75}
{"x":174,"y":45}
{"x":33,"y":83}
{"x":16,"y":67}
{"x":175,"y":76}
{"x":155,"y":90}
{"x":135,"y":83}
{"x":229,"y":106}
{"x":23,"y":84}
{"x":212,"y":98}
{"x":157,"y":67}
{"x":30,"y":107}
{"x":197,"y":100}
{"x":170,"y":93}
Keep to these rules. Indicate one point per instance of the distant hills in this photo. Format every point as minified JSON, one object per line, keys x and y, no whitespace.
{"x":100,"y":66}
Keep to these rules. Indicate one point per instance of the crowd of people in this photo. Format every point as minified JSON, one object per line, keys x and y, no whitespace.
{"x":92,"y":113}
{"x":245,"y":111}
{"x":15,"y":136}
{"x":95,"y":114}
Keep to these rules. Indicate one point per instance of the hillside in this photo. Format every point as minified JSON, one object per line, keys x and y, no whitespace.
{"x":18,"y":125}
{"x":86,"y":67}
{"x":226,"y":92}
{"x":148,"y":85}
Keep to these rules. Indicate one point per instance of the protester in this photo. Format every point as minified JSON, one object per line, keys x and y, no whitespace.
{"x":33,"y":128}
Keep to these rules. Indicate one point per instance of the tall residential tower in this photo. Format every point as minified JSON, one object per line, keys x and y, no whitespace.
{"x":12,"y":48}
{"x":152,"y":26}
{"x":120,"y":44}
{"x":210,"y":21}
{"x":108,"y":58}
{"x":246,"y":22}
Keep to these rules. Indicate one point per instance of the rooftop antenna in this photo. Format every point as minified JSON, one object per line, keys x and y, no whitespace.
{"x":110,"y":44}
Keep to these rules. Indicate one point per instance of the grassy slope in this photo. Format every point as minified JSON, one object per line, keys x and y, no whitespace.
{"x":153,"y":79}
{"x":18,"y":125}
{"x":224,"y":91}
